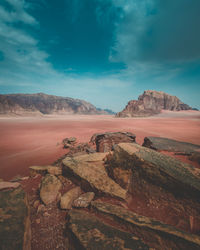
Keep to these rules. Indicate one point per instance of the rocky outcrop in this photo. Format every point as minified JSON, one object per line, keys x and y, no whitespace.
{"x":89,"y":232}
{"x":151,"y":103}
{"x":105,"y":141}
{"x":89,"y":170}
{"x":40,"y":103}
{"x":14,"y":231}
{"x":84,"y":200}
{"x":160,"y":236}
{"x":43,"y":170}
{"x":161,"y":143}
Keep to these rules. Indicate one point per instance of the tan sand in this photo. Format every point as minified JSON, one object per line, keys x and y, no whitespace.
{"x":26,"y":141}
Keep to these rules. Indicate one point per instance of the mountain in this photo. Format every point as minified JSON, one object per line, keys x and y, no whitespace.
{"x":106,"y":111}
{"x":152,"y":102}
{"x":40,"y":103}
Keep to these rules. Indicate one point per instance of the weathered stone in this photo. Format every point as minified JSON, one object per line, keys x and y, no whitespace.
{"x":156,"y":168}
{"x":67,"y":199}
{"x":105,"y":141}
{"x":90,"y":169}
{"x":14,"y":226}
{"x":49,"y":190}
{"x":156,"y":234}
{"x":89,"y":232}
{"x":161,"y":143}
{"x":7,"y":184}
{"x":54,"y":170}
{"x":68,"y":142}
{"x":84,"y":200}
{"x":195,"y":157}
{"x":151,"y":102}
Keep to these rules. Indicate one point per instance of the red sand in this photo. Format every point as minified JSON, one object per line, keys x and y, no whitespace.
{"x":29,"y":141}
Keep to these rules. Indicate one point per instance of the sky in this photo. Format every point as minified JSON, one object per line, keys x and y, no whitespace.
{"x":106,"y":52}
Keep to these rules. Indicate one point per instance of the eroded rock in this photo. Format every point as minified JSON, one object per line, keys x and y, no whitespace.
{"x":84,"y":200}
{"x":49,"y":190}
{"x":68,"y":198}
{"x":90,"y":232}
{"x":54,"y":170}
{"x":154,"y":233}
{"x":8,"y":185}
{"x":89,"y":169}
{"x":105,"y":141}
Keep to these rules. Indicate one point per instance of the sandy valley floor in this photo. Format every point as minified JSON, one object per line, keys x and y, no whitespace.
{"x":26,"y":141}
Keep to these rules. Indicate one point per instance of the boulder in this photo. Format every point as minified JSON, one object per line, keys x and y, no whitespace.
{"x":67,"y":199}
{"x":154,"y":233}
{"x":49,"y":190}
{"x":54,"y":170}
{"x":89,"y":232}
{"x":68,"y":142}
{"x":105,"y":141}
{"x":8,"y":185}
{"x":15,"y":232}
{"x":89,"y":170}
{"x":84,"y":200}
{"x":165,"y":144}
{"x":144,"y":164}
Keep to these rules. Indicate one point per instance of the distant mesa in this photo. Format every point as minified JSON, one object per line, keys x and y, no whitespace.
{"x":40,"y":103}
{"x":151,"y":103}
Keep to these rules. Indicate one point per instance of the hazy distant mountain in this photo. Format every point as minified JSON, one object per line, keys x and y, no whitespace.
{"x":152,"y":102}
{"x":106,"y":111}
{"x":40,"y":103}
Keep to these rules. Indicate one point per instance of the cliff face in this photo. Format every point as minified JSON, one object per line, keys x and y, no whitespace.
{"x":43,"y":104}
{"x":151,"y":103}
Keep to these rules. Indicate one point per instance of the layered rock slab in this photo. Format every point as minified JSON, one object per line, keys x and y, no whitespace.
{"x":14,"y":225}
{"x":105,"y":141}
{"x":89,"y":232}
{"x":146,"y":164}
{"x":161,"y":143}
{"x":154,"y":233}
{"x":89,"y":170}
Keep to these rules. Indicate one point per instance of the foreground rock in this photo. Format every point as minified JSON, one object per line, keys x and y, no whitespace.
{"x":84,"y":200}
{"x":54,"y":170}
{"x":89,"y":232}
{"x":49,"y":190}
{"x":14,"y":222}
{"x":105,"y":141}
{"x":68,"y":198}
{"x":68,"y":142}
{"x":140,"y":163}
{"x":89,"y":170}
{"x":154,"y":233}
{"x":152,"y":102}
{"x":8,"y":185}
{"x":161,"y":143}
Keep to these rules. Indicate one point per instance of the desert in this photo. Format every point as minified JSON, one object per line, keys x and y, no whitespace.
{"x":27,"y":141}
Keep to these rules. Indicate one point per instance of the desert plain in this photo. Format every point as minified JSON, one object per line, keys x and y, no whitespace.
{"x":37,"y":140}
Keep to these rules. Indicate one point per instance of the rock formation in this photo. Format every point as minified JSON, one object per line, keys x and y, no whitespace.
{"x":132,"y":197}
{"x":151,"y":103}
{"x":40,"y":103}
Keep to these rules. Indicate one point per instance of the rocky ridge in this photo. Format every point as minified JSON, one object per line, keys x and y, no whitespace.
{"x":151,"y":103}
{"x":40,"y":103}
{"x":126,"y":197}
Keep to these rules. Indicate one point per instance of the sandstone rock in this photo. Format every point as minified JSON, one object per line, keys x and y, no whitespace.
{"x":67,"y":199}
{"x":90,"y":170}
{"x":195,"y":157}
{"x":92,"y":233}
{"x":161,"y":143}
{"x":49,"y":190}
{"x":156,"y":234}
{"x":7,"y":184}
{"x":105,"y":141}
{"x":151,"y":103}
{"x":153,"y":167}
{"x":68,"y":142}
{"x":14,"y":227}
{"x":54,"y":170}
{"x":84,"y":200}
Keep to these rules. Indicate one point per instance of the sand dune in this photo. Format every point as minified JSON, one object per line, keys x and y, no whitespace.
{"x":29,"y":141}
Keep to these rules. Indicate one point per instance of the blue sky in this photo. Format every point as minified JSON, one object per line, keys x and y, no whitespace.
{"x":104,"y":51}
